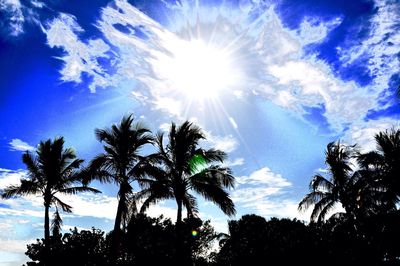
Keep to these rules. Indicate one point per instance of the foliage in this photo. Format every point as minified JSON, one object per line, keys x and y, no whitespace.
{"x":367,"y":185}
{"x":84,"y":248}
{"x":183,"y":168}
{"x":153,"y":241}
{"x":53,"y":171}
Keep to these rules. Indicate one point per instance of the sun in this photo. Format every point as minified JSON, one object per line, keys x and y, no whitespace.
{"x":197,"y":69}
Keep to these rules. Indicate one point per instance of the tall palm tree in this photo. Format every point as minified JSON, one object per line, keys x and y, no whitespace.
{"x":121,"y":162}
{"x":325,"y":193}
{"x":185,"y":168}
{"x":383,"y":168}
{"x":54,"y":170}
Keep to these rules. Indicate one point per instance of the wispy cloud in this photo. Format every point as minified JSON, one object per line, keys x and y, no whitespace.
{"x":80,"y":57}
{"x":265,"y":193}
{"x":13,"y":10}
{"x":16,"y":13}
{"x":379,"y":51}
{"x":224,"y":143}
{"x":363,"y":134}
{"x":19,"y":145}
{"x":283,"y":74}
{"x":235,"y":162}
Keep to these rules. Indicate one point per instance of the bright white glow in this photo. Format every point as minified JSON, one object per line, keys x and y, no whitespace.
{"x":197,"y":69}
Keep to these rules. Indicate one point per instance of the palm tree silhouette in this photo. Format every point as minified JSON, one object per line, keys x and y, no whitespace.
{"x":381,"y":170}
{"x":121,"y":163}
{"x":54,"y":170}
{"x":327,"y":192}
{"x":184,"y":168}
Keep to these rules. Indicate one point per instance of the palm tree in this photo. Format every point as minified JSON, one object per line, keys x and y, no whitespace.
{"x":121,"y":163}
{"x":184,"y":168}
{"x":325,"y":193}
{"x":382,"y":166}
{"x":54,"y":170}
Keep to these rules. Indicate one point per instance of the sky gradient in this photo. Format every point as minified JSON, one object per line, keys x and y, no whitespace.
{"x":273,"y":83}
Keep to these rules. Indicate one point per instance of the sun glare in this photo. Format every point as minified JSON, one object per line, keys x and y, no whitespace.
{"x":199,"y":70}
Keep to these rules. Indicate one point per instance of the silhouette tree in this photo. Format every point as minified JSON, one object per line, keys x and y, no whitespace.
{"x":326,"y":192}
{"x":184,"y":168}
{"x":84,"y":248}
{"x":381,"y":168}
{"x":54,"y":170}
{"x":254,"y":241}
{"x":121,"y":163}
{"x":152,"y":241}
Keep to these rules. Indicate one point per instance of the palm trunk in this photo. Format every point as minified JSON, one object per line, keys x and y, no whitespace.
{"x":46,"y":234}
{"x":183,"y":255}
{"x":117,"y":228}
{"x":179,"y":214}
{"x":46,"y":224}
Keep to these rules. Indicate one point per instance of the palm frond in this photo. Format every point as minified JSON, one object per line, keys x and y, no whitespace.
{"x":320,"y":206}
{"x":213,"y":192}
{"x":75,"y":190}
{"x":56,"y":223}
{"x":190,"y":203}
{"x":319,"y":182}
{"x":27,"y":187}
{"x":65,"y":207}
{"x":311,"y":199}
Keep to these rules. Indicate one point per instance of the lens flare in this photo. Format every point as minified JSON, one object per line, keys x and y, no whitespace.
{"x":194,"y":233}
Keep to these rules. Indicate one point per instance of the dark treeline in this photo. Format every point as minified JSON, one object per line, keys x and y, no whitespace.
{"x":367,"y":185}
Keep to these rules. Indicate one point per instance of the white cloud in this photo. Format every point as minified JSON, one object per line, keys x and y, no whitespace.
{"x":165,"y":127}
{"x":224,"y":143}
{"x":92,"y":205}
{"x":16,"y":246}
{"x":271,"y":59}
{"x":264,"y":192}
{"x":300,"y":83}
{"x":236,"y":162}
{"x":62,"y":32}
{"x":264,"y":176}
{"x":381,"y":47}
{"x":314,"y":31}
{"x":16,"y":13}
{"x":10,"y":177}
{"x":19,"y":145}
{"x":13,"y":10}
{"x":363,"y":134}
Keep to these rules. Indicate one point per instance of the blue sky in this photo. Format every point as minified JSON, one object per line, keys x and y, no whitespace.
{"x":270,"y":82}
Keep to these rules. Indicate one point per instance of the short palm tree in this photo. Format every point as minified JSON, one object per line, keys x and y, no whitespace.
{"x":325,"y":193}
{"x":54,"y":170}
{"x":121,"y":162}
{"x":185,"y":168}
